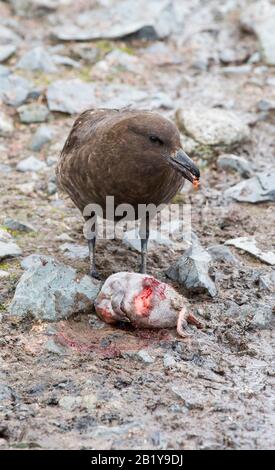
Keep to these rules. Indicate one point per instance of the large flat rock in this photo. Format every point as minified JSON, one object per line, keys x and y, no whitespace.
{"x":192,"y":270}
{"x":213,"y":126}
{"x":151,"y":20}
{"x":51,"y":291}
{"x":259,"y":188}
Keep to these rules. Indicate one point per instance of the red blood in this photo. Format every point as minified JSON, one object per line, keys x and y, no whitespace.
{"x":157,"y":286}
{"x":143,"y":301}
{"x":105,"y":315}
{"x":109,"y":352}
{"x":62,"y":339}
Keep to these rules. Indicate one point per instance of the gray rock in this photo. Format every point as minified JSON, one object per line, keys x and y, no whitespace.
{"x":6,"y":392}
{"x":51,"y":291}
{"x":237,"y":69}
{"x":18,"y":226}
{"x":255,"y":58}
{"x":270,"y":81}
{"x":272,"y":277}
{"x":5,"y":168}
{"x":144,"y":357}
{"x":52,"y":160}
{"x":58,"y":203}
{"x":8,"y":247}
{"x":233,"y":162}
{"x":150,"y":20}
{"x":267,"y":282}
{"x":33,"y":112}
{"x":64,"y":237}
{"x":30,"y":164}
{"x":15,"y":90}
{"x":37,"y":59}
{"x":51,"y":330}
{"x":32,"y":260}
{"x":89,"y":402}
{"x":6,"y":51}
{"x":52,"y":347}
{"x":161,"y":100}
{"x":118,"y":60}
{"x":73,"y":96}
{"x":266,"y":105}
{"x":222,"y":253}
{"x":70,"y":96}
{"x":227,"y":56}
{"x":89,"y":53}
{"x":64,"y":60}
{"x":5,"y":236}
{"x":30,"y":8}
{"x":161,"y":54}
{"x":6,"y":125}
{"x":51,"y":188}
{"x":132,"y":240}
{"x":191,"y":270}
{"x":26,"y":188}
{"x":8,"y":37}
{"x":119,"y":95}
{"x":259,"y":314}
{"x":4,"y":274}
{"x":193,"y":401}
{"x":271,"y":370}
{"x":169,"y":361}
{"x":259,"y":18}
{"x":215,"y":126}
{"x":71,"y":402}
{"x":4,"y":71}
{"x":249,"y":245}
{"x":118,"y":433}
{"x":74,"y":251}
{"x":260,"y":188}
{"x":42,"y":136}
{"x":96,"y":323}
{"x":179,"y":232}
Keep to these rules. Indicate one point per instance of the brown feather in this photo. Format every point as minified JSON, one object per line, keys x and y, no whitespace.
{"x":109,"y":152}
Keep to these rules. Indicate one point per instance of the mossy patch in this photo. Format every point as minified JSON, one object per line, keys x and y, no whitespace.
{"x":85,"y":74}
{"x":25,"y":445}
{"x":32,"y":234}
{"x":4,"y":266}
{"x":14,"y":233}
{"x":179,"y":198}
{"x":128,"y":49}
{"x":42,"y":80}
{"x":14,"y":277}
{"x":12,"y":263}
{"x":105,"y":46}
{"x":205,"y":151}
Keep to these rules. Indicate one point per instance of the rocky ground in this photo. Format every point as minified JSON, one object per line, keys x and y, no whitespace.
{"x":78,"y":383}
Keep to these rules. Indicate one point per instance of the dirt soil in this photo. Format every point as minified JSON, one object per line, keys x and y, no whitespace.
{"x":81,"y":384}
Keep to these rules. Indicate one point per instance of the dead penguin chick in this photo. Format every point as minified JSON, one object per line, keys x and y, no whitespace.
{"x":144,"y":301}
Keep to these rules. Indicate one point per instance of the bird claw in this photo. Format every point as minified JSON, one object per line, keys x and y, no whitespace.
{"x":182,"y":332}
{"x":94,"y":274}
{"x":183,"y":321}
{"x":193,"y":320}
